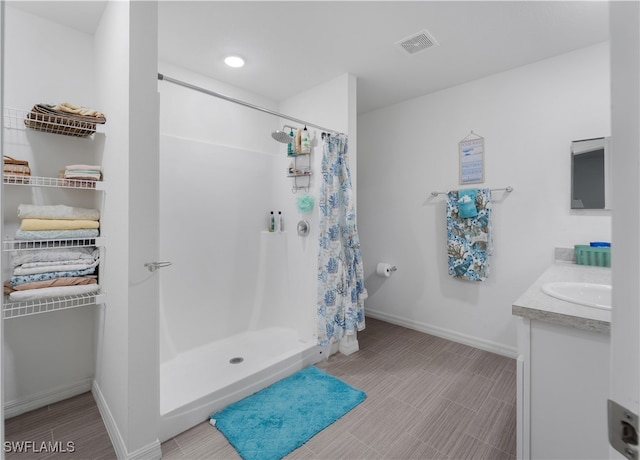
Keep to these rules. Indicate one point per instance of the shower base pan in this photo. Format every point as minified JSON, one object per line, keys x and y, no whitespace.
{"x":203,"y":380}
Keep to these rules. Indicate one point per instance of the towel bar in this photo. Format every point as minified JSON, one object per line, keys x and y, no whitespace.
{"x":508,"y":188}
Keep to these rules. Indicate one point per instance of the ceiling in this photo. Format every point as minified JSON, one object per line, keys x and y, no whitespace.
{"x":291,"y":46}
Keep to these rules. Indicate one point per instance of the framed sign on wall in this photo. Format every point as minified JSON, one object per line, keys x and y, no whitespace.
{"x":471,"y":152}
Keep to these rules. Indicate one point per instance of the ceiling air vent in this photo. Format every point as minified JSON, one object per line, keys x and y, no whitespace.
{"x":417,"y":42}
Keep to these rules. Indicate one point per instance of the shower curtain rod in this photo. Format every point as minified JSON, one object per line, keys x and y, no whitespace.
{"x":246,"y":104}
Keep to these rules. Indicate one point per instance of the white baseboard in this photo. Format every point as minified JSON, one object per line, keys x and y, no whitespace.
{"x":44,"y":398}
{"x":476,"y":342}
{"x":109,"y":422}
{"x":151,"y":451}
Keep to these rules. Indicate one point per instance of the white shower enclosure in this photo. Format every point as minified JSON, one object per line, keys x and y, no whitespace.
{"x":238,"y":303}
{"x":228,"y":326}
{"x":231,"y":319}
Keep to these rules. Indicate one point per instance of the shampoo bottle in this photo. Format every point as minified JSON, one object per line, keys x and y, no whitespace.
{"x":298,"y":140}
{"x":272,"y":222}
{"x":280,"y":222}
{"x":305,"y":142}
{"x":290,"y":148}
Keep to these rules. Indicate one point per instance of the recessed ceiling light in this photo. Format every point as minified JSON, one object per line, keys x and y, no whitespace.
{"x":234,"y":61}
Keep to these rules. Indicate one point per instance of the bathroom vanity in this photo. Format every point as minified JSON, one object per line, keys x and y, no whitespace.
{"x":563,"y":368}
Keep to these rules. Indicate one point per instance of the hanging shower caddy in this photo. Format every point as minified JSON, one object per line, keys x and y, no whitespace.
{"x":300,"y":172}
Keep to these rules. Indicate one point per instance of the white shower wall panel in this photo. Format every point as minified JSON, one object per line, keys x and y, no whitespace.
{"x":214,"y":202}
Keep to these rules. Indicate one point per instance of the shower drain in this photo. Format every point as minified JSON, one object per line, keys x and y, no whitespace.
{"x":236,"y":360}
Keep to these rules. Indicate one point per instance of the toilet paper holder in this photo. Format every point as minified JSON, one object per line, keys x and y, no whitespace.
{"x":385,"y":269}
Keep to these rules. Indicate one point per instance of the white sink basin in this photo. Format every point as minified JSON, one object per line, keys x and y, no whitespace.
{"x":589,"y":294}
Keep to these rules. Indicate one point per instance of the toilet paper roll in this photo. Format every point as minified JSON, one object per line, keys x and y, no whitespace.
{"x":384,"y":269}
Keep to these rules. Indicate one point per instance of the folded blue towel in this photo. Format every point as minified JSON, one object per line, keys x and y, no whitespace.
{"x":467,"y":202}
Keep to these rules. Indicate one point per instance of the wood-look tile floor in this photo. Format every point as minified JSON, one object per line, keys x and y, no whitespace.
{"x":72,"y":428}
{"x":427,"y":398}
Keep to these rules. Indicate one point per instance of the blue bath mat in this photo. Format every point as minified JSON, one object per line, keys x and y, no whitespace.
{"x":275,"y":421}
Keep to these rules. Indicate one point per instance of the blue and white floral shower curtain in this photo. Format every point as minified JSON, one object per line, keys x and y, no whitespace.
{"x":341,"y":290}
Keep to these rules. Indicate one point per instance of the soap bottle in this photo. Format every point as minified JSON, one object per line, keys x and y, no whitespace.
{"x":290,"y":148}
{"x":272,"y":222}
{"x":305,"y":142}
{"x":280,"y":222}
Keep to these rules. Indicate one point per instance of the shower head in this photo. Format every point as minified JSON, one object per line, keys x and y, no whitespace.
{"x":282,"y":136}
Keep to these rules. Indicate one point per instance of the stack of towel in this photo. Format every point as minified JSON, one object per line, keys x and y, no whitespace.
{"x":65,"y":119}
{"x":52,"y":273}
{"x":46,"y":222}
{"x":66,"y":107}
{"x":83,"y":172}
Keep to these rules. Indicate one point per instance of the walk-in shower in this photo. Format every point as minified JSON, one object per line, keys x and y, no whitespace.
{"x":229,"y":325}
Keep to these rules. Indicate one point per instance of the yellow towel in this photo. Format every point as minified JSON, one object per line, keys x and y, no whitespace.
{"x":57,"y":224}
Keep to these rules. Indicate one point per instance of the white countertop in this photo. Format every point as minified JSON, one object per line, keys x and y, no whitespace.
{"x":535,"y":304}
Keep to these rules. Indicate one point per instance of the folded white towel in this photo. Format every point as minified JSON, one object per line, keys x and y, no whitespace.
{"x":58,"y":263}
{"x":83,"y":167}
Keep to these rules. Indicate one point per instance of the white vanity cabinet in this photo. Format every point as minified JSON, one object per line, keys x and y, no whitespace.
{"x":563,"y":371}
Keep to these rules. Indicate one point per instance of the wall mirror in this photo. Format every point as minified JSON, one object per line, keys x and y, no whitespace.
{"x":591,"y":173}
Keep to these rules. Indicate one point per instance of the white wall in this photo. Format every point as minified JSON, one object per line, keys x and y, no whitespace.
{"x":143,"y":315}
{"x":528,"y":117}
{"x":2,"y":235}
{"x":47,"y":355}
{"x":112,"y":87}
{"x":126,"y":383}
{"x":625,"y":317}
